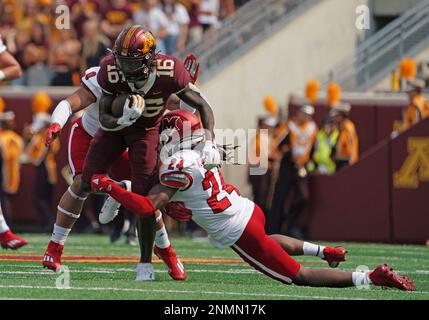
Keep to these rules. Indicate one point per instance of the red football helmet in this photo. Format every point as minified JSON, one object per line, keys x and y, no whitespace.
{"x":180,"y":129}
{"x":134,"y":53}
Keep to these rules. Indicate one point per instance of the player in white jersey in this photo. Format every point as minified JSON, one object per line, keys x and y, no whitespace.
{"x":80,"y":136}
{"x":200,"y":193}
{"x":9,"y":70}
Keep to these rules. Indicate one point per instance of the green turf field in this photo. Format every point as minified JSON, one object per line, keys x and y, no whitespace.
{"x":232,"y":280}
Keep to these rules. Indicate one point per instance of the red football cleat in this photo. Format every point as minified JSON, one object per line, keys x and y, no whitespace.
{"x":384,"y":276}
{"x":9,"y":240}
{"x":176,"y":270}
{"x":52,"y":257}
{"x":334,"y":255}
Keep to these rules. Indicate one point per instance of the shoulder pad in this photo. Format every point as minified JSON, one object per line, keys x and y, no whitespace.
{"x":176,"y":179}
{"x":89,"y":80}
{"x":109,"y":78}
{"x":176,"y":172}
{"x":177,"y":76}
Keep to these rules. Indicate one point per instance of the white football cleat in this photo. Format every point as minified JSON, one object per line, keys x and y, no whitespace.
{"x":145,"y":272}
{"x":111,"y":207}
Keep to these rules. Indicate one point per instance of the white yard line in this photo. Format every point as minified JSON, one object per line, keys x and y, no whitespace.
{"x":53,"y":273}
{"x":107,"y":269}
{"x":418,"y":252}
{"x":20,"y":298}
{"x":111,"y":271}
{"x":422,"y":271}
{"x":196,"y":292}
{"x":182,"y":292}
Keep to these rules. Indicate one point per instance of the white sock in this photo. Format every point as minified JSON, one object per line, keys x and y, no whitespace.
{"x":60,"y":234}
{"x":3,"y":225}
{"x":311,"y":249}
{"x":361,"y":278}
{"x":161,"y":238}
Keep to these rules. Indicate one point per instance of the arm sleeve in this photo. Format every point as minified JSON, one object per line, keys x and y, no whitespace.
{"x":135,"y":203}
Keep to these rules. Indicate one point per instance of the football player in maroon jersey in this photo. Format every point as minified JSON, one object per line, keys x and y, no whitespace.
{"x":80,"y":136}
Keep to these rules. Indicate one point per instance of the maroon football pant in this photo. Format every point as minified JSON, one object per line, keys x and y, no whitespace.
{"x":107,"y":146}
{"x":79,"y":142}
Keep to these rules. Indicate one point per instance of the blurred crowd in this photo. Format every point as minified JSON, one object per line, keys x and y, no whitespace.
{"x":53,"y":56}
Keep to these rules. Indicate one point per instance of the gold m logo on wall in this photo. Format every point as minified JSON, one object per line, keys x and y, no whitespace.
{"x":415,"y":167}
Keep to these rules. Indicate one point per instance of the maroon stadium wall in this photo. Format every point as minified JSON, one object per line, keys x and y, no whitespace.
{"x":383,"y":197}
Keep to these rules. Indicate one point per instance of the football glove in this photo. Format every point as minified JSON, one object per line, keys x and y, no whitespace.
{"x":178,"y":211}
{"x":53,"y":132}
{"x":210,"y":155}
{"x":133,"y":109}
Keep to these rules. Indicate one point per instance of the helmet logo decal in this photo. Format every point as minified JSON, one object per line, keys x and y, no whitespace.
{"x":149,"y":43}
{"x":171,"y":123}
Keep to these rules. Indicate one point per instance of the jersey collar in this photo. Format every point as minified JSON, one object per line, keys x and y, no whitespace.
{"x":147,"y":86}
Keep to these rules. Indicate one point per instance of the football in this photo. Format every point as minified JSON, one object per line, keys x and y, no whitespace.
{"x":117,"y":107}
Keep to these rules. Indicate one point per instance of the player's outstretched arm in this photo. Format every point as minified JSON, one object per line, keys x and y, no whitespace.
{"x":77,"y":101}
{"x":9,"y":67}
{"x":192,"y":96}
